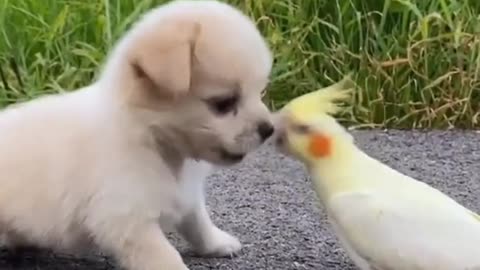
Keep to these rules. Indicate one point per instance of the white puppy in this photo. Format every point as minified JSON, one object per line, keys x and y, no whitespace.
{"x":119,"y":162}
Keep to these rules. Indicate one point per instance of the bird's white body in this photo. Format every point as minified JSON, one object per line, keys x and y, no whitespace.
{"x":386,"y":220}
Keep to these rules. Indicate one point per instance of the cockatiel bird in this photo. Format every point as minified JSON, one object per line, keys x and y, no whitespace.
{"x":385,"y":220}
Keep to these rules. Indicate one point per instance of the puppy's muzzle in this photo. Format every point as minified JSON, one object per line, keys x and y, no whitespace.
{"x":265,"y":130}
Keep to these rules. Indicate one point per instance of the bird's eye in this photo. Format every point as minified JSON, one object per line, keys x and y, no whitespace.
{"x":223,"y":105}
{"x":301,"y":128}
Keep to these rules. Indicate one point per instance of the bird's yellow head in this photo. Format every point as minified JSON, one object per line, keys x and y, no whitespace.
{"x":307,"y":130}
{"x":314,"y":139}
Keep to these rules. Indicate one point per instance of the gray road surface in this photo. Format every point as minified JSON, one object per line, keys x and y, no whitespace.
{"x":267,"y":201}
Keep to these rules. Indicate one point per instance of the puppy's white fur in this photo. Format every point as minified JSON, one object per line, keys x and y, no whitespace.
{"x":121,"y":161}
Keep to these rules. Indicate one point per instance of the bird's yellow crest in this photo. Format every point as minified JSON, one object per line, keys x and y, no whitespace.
{"x":321,"y":101}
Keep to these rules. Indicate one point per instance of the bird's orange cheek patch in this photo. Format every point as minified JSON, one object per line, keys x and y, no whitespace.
{"x":320,"y":145}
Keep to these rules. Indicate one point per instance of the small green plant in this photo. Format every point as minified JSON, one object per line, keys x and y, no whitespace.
{"x":416,"y":63}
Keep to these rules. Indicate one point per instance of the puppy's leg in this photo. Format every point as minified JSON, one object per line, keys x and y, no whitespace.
{"x":139,"y":247}
{"x":15,"y":242}
{"x":198,"y":229}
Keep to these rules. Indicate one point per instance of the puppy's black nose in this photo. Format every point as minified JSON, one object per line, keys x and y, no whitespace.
{"x":265,"y":129}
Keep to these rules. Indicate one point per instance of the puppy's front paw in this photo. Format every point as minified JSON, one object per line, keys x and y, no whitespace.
{"x":220,"y":244}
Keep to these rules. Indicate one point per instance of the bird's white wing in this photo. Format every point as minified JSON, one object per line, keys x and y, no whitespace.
{"x":403,"y":232}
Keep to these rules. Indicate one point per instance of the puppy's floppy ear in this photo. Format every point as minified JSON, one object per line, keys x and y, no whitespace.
{"x":163,"y":58}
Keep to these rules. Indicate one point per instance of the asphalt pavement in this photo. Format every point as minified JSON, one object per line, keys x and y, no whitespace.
{"x":267,"y":201}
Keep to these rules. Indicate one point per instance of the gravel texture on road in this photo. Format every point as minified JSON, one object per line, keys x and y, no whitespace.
{"x":267,"y":201}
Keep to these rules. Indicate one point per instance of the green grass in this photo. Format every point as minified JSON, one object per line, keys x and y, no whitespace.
{"x":416,"y":62}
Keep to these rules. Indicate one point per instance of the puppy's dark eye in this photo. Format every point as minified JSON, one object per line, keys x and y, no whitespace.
{"x":223,"y":105}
